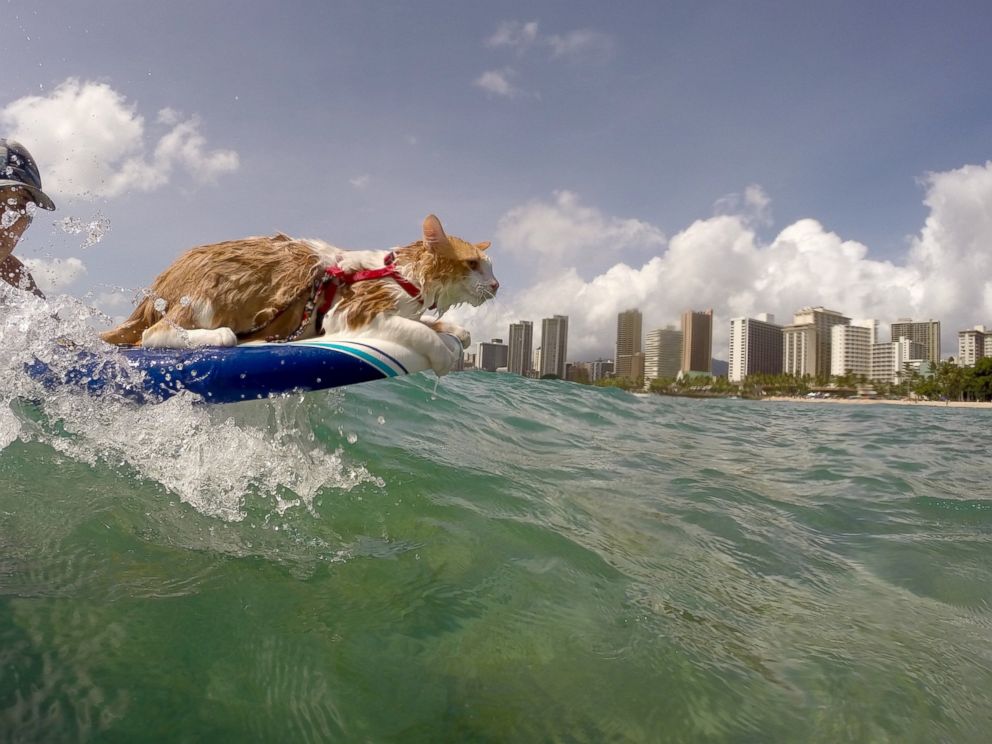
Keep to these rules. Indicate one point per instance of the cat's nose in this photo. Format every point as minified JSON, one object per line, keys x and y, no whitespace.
{"x":494,"y":285}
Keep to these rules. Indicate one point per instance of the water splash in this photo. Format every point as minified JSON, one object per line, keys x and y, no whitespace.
{"x":213,"y":458}
{"x":95,"y":230}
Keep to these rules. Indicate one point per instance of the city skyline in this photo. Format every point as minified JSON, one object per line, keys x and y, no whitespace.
{"x":819,"y":343}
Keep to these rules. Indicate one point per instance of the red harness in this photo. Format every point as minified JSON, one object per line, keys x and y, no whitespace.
{"x":324,"y":289}
{"x":335,"y":276}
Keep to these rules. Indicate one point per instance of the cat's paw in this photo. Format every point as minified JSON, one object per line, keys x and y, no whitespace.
{"x":446,"y":357}
{"x":457,"y":331}
{"x":212,"y":337}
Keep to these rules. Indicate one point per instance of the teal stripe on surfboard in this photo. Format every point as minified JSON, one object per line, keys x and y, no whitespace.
{"x":379,"y":364}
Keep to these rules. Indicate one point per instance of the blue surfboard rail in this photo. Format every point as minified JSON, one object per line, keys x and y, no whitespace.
{"x":232,"y":374}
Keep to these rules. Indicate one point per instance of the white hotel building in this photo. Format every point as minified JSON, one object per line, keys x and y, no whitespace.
{"x":851,"y":348}
{"x":755,"y":347}
{"x":973,"y":344}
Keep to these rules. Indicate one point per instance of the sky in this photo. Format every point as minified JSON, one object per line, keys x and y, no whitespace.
{"x":745,"y":157}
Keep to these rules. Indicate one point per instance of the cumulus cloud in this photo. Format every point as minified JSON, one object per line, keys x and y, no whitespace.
{"x":54,"y":275}
{"x":564,"y":230}
{"x":753,"y":204}
{"x":721,"y":263}
{"x":91,"y":142}
{"x":497,"y":82}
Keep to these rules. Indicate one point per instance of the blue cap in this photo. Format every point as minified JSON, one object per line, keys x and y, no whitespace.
{"x":17,"y":168}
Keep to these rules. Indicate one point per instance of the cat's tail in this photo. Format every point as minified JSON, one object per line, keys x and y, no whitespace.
{"x":129,"y":332}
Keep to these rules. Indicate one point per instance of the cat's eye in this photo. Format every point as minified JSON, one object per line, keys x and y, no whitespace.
{"x":473,"y":265}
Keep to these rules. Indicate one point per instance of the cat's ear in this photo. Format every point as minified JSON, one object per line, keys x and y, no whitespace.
{"x":434,"y":236}
{"x":483,"y":245}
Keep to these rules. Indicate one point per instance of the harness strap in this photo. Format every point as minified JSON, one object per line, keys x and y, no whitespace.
{"x":336,"y":276}
{"x":325,"y":288}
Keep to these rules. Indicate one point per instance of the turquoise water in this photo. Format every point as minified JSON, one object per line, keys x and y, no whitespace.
{"x":509,"y":560}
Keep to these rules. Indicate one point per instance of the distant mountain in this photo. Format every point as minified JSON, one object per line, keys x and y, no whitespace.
{"x":720,"y":368}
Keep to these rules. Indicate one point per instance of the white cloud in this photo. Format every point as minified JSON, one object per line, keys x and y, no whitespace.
{"x":720,"y":263}
{"x":566,"y":231}
{"x":581,"y":44}
{"x":497,"y":82}
{"x":54,"y":275}
{"x":514,"y":34}
{"x":754,"y":204}
{"x":518,"y":37}
{"x":361,"y":182}
{"x":90,"y":142}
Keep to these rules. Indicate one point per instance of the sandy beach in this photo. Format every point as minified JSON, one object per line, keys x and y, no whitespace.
{"x":871,"y":401}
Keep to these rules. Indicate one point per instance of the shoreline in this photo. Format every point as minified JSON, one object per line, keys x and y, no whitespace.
{"x":872,"y":401}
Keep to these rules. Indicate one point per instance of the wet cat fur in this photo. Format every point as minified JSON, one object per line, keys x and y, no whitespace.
{"x":258,"y":288}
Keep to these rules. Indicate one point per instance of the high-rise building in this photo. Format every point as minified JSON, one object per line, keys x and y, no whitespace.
{"x":926,"y":332}
{"x":755,"y":347}
{"x":971,"y":345}
{"x":628,"y":342}
{"x":637,"y":366}
{"x":554,"y":345}
{"x":851,"y":349}
{"x":521,"y":342}
{"x":697,"y":341}
{"x":663,"y":353}
{"x":883,"y":366}
{"x":599,"y":369}
{"x":806,"y":343}
{"x":493,"y":354}
{"x":889,"y":359}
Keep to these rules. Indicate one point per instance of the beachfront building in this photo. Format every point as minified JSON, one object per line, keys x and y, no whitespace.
{"x":493,"y":355}
{"x":971,"y":345}
{"x":883,"y":365}
{"x":890,"y":360}
{"x":599,"y":369}
{"x":851,"y":348}
{"x":637,"y":366}
{"x":521,"y":342}
{"x":697,"y":341}
{"x":924,"y":332}
{"x":806,"y":344}
{"x":554,"y":345}
{"x":907,"y":355}
{"x":628,"y":343}
{"x":662,"y":353}
{"x":755,"y":347}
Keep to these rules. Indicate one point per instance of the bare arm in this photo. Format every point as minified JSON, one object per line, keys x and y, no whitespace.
{"x":16,"y":274}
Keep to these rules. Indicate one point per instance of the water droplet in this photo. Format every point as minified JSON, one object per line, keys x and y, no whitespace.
{"x":160,"y":305}
{"x":381,"y":420}
{"x":95,"y":229}
{"x":352,"y":438}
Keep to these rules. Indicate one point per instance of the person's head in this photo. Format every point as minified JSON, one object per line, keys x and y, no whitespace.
{"x":20,"y":189}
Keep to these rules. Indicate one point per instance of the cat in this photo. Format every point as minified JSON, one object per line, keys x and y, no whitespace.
{"x":280,"y":288}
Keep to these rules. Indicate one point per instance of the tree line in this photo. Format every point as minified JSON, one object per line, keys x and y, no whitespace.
{"x":948,"y":382}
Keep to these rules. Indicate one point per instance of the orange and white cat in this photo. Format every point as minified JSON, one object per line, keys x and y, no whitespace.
{"x":280,"y":288}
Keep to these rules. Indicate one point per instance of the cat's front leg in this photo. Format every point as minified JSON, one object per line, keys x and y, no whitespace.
{"x":421,"y":338}
{"x":166,"y":335}
{"x":457,"y":331}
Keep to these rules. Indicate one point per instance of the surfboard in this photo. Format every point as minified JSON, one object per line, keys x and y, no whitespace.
{"x":231,"y":374}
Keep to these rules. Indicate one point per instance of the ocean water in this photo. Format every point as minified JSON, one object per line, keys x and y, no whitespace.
{"x":500,"y":560}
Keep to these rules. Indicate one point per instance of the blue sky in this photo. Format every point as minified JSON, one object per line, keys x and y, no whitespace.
{"x":579,"y":138}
